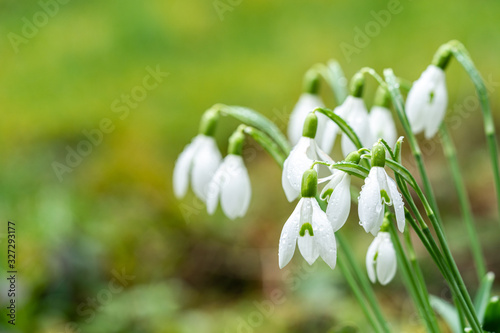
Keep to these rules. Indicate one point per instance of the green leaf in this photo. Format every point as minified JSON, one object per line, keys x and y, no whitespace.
{"x":269,"y":145}
{"x":352,"y":169}
{"x":447,"y":312}
{"x":255,"y":119}
{"x":342,"y":125}
{"x":483,"y":295}
{"x":397,"y":149}
{"x":492,"y":316}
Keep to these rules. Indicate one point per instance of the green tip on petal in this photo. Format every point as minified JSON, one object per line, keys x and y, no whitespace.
{"x":378,"y":155}
{"x":309,"y":184}
{"x":310,"y":126}
{"x":306,"y":226}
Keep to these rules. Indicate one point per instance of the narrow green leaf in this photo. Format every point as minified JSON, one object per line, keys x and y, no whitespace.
{"x":492,"y":316}
{"x":342,"y":125}
{"x":483,"y":295}
{"x":352,"y":169}
{"x":257,"y":120}
{"x":269,"y":145}
{"x":447,"y":312}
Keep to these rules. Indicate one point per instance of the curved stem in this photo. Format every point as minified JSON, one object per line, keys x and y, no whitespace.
{"x":451,"y":156}
{"x":269,"y":145}
{"x":334,"y":76}
{"x":460,"y":53}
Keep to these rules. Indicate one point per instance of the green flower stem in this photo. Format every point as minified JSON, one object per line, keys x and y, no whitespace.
{"x":427,"y":239}
{"x":418,"y":274}
{"x":365,"y":284}
{"x":454,"y":274}
{"x":341,"y":123}
{"x":358,"y":293}
{"x":413,"y":285}
{"x":254,"y":119}
{"x":269,"y":145}
{"x":397,"y":101}
{"x":462,"y":56}
{"x":450,"y":153}
{"x":334,"y":76}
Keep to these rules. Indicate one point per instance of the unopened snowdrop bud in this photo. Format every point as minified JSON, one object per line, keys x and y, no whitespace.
{"x":379,"y":190}
{"x":231,"y":183}
{"x":308,"y":227}
{"x":381,"y":122}
{"x":381,"y":262}
{"x":301,"y":158}
{"x":427,"y":101}
{"x":198,"y":161}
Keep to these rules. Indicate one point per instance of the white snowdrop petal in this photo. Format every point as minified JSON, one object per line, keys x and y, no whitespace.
{"x":370,"y":259}
{"x":369,"y":205}
{"x":290,"y":192}
{"x":382,"y":183}
{"x":306,"y":103}
{"x":339,"y":204}
{"x":236,"y":191}
{"x":183,"y":167}
{"x":378,"y":222}
{"x":386,"y":261}
{"x":382,"y":125}
{"x":328,"y":133}
{"x":205,"y":163}
{"x":298,"y":162}
{"x":398,"y":203}
{"x":288,"y":237}
{"x":415,"y":105}
{"x":333,"y":181}
{"x":324,"y":236}
{"x":308,"y":248}
{"x":437,"y":110}
{"x":214,"y":187}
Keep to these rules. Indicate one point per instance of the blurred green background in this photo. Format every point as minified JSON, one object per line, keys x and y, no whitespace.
{"x":115,"y":213}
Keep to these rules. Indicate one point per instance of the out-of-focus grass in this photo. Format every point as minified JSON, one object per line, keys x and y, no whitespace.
{"x":116,"y":209}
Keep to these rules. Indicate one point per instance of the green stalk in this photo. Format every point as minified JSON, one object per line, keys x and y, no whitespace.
{"x":334,"y":76}
{"x":269,"y":145}
{"x":365,"y":284}
{"x":357,"y":291}
{"x":397,"y":101}
{"x":460,"y":53}
{"x":454,"y":274}
{"x":416,"y":291}
{"x":450,"y":153}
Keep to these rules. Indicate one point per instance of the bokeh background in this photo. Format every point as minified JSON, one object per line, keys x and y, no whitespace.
{"x":114,"y":213}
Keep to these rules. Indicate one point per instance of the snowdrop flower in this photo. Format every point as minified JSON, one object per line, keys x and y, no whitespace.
{"x":232,"y":185}
{"x":381,"y":261}
{"x":427,"y":101}
{"x":338,"y":194}
{"x":231,"y":182}
{"x":199,"y":160}
{"x":354,"y":112}
{"x":302,"y":156}
{"x":308,"y":101}
{"x":308,"y":227}
{"x":379,"y":189}
{"x":381,"y":123}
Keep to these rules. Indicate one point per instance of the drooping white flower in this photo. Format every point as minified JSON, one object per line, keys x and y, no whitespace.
{"x":308,"y":227}
{"x":354,"y":112}
{"x":300,"y":159}
{"x":199,"y":160}
{"x":232,"y":185}
{"x":337,"y":192}
{"x":382,"y":125}
{"x":381,"y":260}
{"x":427,"y":101}
{"x":379,"y":189}
{"x":307,"y":103}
